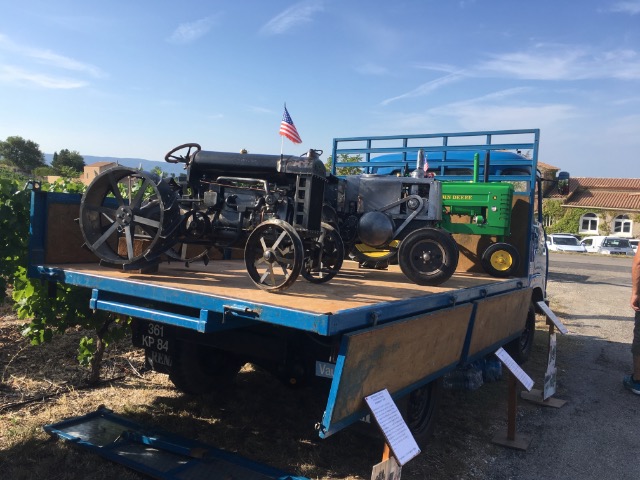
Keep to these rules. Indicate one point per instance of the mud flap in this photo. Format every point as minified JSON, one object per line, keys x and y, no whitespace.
{"x":157,"y":453}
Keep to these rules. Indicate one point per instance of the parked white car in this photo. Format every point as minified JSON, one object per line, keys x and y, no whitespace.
{"x":608,"y":245}
{"x":564,"y":242}
{"x":634,"y":244}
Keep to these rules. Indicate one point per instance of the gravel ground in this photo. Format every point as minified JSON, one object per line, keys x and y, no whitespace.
{"x":595,"y":434}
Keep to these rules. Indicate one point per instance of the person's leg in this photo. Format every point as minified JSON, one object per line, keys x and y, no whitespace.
{"x":632,"y":382}
{"x":635,"y":348}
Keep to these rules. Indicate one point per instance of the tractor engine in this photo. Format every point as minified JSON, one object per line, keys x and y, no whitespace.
{"x":228,"y":207}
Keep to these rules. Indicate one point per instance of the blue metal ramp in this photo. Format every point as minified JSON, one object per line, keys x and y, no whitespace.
{"x":157,"y":453}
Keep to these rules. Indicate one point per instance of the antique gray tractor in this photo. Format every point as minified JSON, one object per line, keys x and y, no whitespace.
{"x":381,"y":217}
{"x":268,"y":205}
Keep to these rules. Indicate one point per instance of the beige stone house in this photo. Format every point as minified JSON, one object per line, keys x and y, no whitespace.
{"x":93,"y":170}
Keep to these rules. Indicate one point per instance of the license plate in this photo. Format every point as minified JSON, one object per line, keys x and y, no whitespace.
{"x":157,"y":341}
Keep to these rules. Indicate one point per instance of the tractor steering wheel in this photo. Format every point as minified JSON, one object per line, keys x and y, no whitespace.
{"x":172,"y":158}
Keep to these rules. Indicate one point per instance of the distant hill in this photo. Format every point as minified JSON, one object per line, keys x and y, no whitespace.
{"x":147,"y":165}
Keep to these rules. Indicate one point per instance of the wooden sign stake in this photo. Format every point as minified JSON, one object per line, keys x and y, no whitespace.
{"x":521,"y":442}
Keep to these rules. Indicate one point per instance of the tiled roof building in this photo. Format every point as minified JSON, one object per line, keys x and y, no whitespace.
{"x":612,"y":204}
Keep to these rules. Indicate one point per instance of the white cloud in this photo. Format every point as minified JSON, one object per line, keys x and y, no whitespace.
{"x":438,"y":67}
{"x":426,"y":88}
{"x":563,"y":62}
{"x":630,"y":7}
{"x":18,"y":76}
{"x":292,"y":17}
{"x":501,"y":109}
{"x":48,"y":57}
{"x":191,"y":31}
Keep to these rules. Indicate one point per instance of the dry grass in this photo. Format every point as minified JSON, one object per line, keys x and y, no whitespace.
{"x":258,"y":417}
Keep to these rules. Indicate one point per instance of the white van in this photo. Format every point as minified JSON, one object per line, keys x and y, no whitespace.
{"x":564,"y":242}
{"x":634,"y":243}
{"x":608,"y":245}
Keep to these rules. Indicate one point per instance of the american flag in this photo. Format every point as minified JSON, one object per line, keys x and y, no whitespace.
{"x":288,"y":129}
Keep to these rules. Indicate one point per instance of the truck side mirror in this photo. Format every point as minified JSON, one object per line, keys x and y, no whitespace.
{"x":563,"y":183}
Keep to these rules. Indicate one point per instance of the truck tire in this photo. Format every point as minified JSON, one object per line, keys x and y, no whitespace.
{"x":420,"y":410}
{"x":198,"y":369}
{"x":428,"y":256}
{"x":520,"y":348}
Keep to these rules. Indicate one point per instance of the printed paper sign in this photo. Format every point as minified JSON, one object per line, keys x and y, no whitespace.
{"x":514,"y":368}
{"x":393,"y":426}
{"x":552,"y":316}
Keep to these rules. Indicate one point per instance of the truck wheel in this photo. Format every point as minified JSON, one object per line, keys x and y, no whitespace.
{"x":126,"y":216}
{"x":273,"y":255}
{"x":198,"y":369}
{"x":500,"y":259}
{"x":520,"y":348}
{"x":428,"y":256}
{"x":324,"y":259}
{"x":420,"y":410}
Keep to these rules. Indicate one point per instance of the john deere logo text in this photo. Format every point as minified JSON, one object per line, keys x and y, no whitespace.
{"x":457,"y":197}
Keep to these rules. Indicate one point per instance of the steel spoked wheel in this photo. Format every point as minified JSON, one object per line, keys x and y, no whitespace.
{"x":192,"y":245}
{"x":500,"y":259}
{"x":273,"y":255}
{"x":428,"y":256}
{"x":125,"y":215}
{"x":188,"y":253}
{"x":324,"y":258}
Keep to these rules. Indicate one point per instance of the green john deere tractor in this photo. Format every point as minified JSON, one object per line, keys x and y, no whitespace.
{"x":470,"y":208}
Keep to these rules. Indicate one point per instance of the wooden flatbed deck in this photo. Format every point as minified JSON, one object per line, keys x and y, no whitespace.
{"x":352,"y":288}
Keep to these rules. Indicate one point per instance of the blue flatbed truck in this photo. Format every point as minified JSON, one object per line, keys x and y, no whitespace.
{"x":363,"y":331}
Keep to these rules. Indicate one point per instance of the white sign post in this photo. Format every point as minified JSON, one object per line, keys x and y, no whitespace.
{"x":545,"y":397}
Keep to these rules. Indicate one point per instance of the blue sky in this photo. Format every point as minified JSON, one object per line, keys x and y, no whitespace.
{"x":136,"y":78}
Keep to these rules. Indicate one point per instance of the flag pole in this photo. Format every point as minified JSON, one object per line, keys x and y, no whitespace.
{"x":282,"y":138}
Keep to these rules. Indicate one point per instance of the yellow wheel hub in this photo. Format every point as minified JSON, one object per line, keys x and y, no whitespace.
{"x":501,"y":260}
{"x":376,"y":253}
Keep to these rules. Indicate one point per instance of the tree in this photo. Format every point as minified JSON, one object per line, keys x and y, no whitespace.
{"x":21,"y":153}
{"x":40,"y":172}
{"x":69,"y":159}
{"x":343,"y":157}
{"x":158,"y":171}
